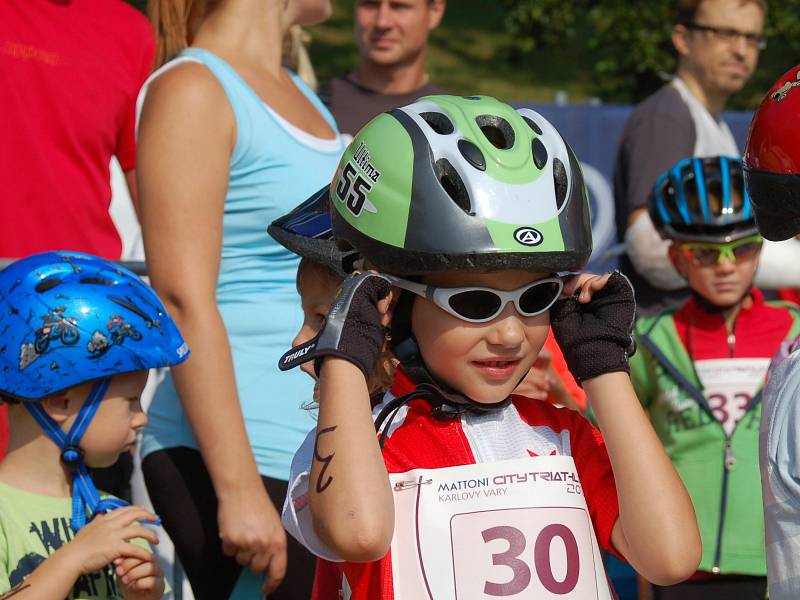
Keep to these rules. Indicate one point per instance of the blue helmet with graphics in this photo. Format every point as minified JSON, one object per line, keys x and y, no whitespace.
{"x":703,"y":200}
{"x":67,"y":318}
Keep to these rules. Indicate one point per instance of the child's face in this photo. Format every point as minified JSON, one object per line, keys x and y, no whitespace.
{"x":317,"y":287}
{"x":119,"y":417}
{"x":724,"y":282}
{"x":484,"y":361}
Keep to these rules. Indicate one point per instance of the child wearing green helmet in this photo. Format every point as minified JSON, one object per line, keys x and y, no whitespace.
{"x":467,"y":209}
{"x":79,"y":335}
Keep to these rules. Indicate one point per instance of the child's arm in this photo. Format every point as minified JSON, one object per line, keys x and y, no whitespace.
{"x":351,"y":505}
{"x":350,"y":496}
{"x":657,"y":528}
{"x":100,"y":543}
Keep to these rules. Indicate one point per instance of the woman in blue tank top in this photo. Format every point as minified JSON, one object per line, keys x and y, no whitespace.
{"x":228,"y":141}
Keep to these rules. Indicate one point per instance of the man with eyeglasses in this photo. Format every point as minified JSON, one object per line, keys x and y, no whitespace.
{"x":717,"y":43}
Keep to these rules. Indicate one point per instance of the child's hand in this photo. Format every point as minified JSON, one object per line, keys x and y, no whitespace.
{"x":593,"y":324}
{"x":107,"y":538}
{"x":139,"y":580}
{"x":355,"y":327}
{"x":584,"y":286}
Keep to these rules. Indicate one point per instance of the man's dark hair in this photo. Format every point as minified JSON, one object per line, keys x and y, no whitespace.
{"x":686,"y":10}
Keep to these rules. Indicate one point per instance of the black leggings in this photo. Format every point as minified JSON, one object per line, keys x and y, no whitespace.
{"x":180,"y":489}
{"x":724,"y":587}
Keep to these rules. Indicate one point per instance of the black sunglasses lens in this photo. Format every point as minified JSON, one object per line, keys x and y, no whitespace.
{"x":475,"y":304}
{"x":539,"y":297}
{"x":706,"y":256}
{"x":745,"y":250}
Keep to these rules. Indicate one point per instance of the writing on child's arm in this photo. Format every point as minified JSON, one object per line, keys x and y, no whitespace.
{"x":20,"y":588}
{"x":325,"y":460}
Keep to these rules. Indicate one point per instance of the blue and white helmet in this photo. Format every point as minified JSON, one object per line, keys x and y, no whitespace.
{"x":703,"y":200}
{"x":68,"y":317}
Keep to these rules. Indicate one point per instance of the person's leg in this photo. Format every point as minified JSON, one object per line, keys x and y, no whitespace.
{"x":183,"y":496}
{"x":726,"y":587}
{"x":301,"y":563}
{"x":116,"y":479}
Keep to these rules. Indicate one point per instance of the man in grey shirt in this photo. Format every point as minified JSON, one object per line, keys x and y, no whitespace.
{"x":717,"y":43}
{"x":392,"y":39}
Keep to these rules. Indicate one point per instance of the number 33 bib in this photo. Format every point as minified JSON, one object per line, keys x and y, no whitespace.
{"x":514,"y":529}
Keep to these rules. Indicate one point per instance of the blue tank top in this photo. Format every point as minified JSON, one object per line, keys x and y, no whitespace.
{"x":274,"y":166}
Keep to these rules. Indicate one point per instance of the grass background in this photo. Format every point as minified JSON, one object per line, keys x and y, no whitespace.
{"x":468,"y":54}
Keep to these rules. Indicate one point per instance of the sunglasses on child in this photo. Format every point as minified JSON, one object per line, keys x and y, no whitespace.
{"x":708,"y":254}
{"x":481,"y":304}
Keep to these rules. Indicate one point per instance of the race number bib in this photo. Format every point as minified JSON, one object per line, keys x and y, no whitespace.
{"x":513,"y":529}
{"x":729,"y":385}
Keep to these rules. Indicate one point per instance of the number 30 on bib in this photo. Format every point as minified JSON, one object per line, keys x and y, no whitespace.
{"x":497,"y":535}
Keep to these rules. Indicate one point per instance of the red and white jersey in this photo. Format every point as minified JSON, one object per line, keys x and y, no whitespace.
{"x":524,"y":428}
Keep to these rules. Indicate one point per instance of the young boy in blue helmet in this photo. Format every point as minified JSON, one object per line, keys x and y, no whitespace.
{"x":78,"y":335}
{"x":701,"y":367}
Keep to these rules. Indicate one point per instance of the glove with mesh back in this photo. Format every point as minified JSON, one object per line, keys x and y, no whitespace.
{"x":596,"y":337}
{"x":353,"y":328}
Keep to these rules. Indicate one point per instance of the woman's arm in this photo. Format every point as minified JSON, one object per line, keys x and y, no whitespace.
{"x":657,"y":528}
{"x":186,"y":135}
{"x":351,"y":499}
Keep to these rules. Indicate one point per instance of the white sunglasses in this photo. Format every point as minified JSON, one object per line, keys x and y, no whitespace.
{"x":481,"y":304}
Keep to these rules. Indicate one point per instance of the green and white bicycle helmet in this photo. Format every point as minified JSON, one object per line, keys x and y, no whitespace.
{"x":461,"y":183}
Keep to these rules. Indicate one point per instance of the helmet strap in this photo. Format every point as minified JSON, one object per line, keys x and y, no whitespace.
{"x":85,"y":496}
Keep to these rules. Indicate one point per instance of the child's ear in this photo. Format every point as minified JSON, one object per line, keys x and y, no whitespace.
{"x":58,"y":407}
{"x":677,"y":259}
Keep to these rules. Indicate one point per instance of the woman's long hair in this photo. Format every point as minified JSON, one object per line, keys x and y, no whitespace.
{"x":175,"y":22}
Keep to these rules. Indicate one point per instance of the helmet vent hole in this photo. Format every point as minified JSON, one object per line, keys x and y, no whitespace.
{"x":97,"y":281}
{"x":472,"y":154}
{"x":539,"y":153}
{"x":453,"y":185}
{"x":561,"y":182}
{"x":497,"y":130}
{"x":439,"y":122}
{"x":47,"y":284}
{"x":532,"y":124}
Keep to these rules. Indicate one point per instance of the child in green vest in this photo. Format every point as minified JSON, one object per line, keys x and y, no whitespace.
{"x":700,"y":369}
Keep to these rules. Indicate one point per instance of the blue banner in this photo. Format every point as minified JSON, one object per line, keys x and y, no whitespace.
{"x":594,"y":133}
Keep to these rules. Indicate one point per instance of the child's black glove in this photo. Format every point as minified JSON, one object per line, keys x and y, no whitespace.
{"x":596,"y":337}
{"x":353,"y":329}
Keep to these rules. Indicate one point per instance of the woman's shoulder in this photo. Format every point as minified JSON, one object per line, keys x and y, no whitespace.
{"x":185,"y":80}
{"x":184,"y":91}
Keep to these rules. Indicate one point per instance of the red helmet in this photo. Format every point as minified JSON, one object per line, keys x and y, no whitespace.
{"x":772,"y":159}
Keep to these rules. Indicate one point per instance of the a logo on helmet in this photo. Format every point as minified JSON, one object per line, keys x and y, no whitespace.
{"x":528,"y":236}
{"x":356,"y":181}
{"x":118,"y":330}
{"x":784,"y":90}
{"x":57,"y":328}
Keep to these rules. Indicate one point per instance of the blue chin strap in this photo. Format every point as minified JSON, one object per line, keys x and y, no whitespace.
{"x":85,"y":497}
